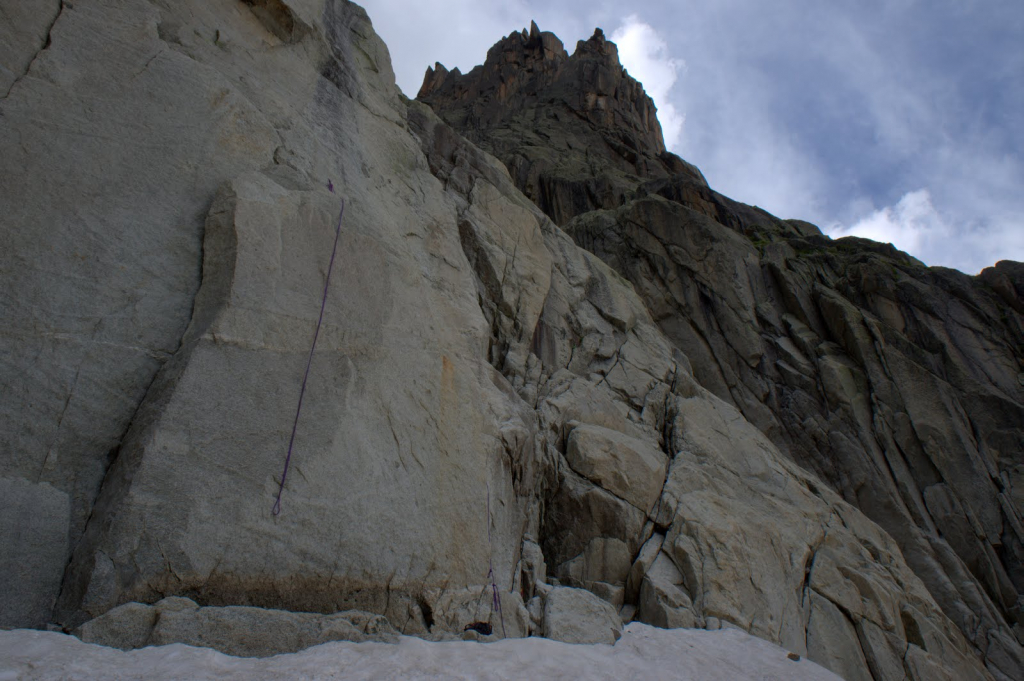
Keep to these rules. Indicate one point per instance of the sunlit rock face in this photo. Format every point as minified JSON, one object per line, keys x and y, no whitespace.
{"x":578,"y":370}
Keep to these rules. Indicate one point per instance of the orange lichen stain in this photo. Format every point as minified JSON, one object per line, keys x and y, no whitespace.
{"x":448,"y":405}
{"x":218,"y":97}
{"x":447,"y":377}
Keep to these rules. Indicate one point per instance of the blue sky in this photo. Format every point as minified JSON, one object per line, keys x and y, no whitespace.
{"x":902,"y":120}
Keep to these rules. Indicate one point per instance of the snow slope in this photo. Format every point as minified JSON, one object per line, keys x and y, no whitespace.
{"x":642,"y":652}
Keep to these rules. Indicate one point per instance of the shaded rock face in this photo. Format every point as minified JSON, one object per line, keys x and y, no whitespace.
{"x":901,"y":386}
{"x":574,"y":131}
{"x":737,"y":529}
{"x":895,"y":383}
{"x":488,"y":400}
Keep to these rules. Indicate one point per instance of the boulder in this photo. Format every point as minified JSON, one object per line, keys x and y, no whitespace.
{"x":663,"y":600}
{"x":628,"y":468}
{"x":233,"y":630}
{"x":578,"y":616}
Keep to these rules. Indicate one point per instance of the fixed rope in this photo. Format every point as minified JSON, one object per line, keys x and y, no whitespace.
{"x":495,"y":597}
{"x":276,"y":510}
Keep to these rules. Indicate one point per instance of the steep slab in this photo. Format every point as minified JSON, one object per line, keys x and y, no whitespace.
{"x":398,"y":443}
{"x":115,"y":140}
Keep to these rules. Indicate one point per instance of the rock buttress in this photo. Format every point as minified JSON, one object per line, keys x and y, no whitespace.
{"x":902,"y":386}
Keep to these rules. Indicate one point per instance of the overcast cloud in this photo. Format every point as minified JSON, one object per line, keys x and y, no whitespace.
{"x":898,"y":120}
{"x":648,"y":59}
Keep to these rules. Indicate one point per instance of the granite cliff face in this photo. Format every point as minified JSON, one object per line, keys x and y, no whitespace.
{"x":569,"y":365}
{"x":901,"y":386}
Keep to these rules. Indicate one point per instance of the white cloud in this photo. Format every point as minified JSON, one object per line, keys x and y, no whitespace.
{"x":752,"y":159}
{"x":911,"y":225}
{"x":645,"y":55}
{"x":824,"y":113}
{"x":916,"y":226}
{"x":418,"y":34}
{"x":456,"y":33}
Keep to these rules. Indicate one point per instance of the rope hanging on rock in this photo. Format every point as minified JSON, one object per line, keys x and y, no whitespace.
{"x":276,"y":510}
{"x":495,"y":597}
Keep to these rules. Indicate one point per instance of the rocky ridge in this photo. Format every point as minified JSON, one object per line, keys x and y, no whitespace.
{"x":575,"y":133}
{"x":485,"y":391}
{"x":901,"y":386}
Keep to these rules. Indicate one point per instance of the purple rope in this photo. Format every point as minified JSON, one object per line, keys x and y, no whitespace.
{"x":495,"y":599}
{"x":276,"y":510}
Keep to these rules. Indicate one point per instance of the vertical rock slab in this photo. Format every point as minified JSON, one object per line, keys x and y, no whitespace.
{"x":24,"y":33}
{"x":113,"y":143}
{"x":832,"y":641}
{"x":393,"y":458}
{"x":34,"y":536}
{"x":167,"y":225}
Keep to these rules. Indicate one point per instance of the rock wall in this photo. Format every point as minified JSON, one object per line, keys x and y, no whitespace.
{"x":901,"y":386}
{"x":896,"y":384}
{"x":487,"y":399}
{"x":656,"y":495}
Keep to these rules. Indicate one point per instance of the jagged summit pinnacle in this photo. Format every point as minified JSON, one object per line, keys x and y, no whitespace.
{"x":528,"y":64}
{"x":520,"y":49}
{"x":589,"y":128}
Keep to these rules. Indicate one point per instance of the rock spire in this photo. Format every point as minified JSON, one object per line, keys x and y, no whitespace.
{"x":522,"y":105}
